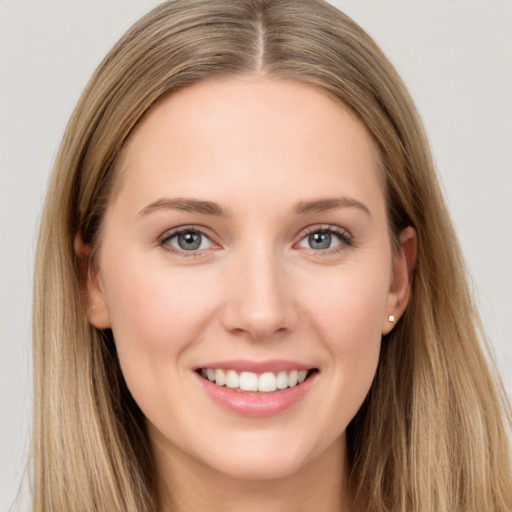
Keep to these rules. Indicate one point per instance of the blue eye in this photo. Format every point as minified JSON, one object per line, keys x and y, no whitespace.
{"x":188,"y":240}
{"x":324,"y":239}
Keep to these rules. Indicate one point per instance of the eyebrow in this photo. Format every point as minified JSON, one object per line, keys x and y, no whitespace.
{"x":187,"y":205}
{"x":211,"y":208}
{"x":331,"y":203}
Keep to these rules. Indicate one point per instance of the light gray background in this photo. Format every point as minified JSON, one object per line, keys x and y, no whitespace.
{"x":455,"y":56}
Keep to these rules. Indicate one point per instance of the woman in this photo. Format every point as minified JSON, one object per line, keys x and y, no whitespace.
{"x":253,"y":293}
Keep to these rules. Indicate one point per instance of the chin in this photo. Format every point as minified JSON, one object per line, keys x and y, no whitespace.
{"x":258,"y":469}
{"x":267,"y":458}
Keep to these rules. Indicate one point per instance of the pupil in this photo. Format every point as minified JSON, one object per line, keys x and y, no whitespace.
{"x":320,"y":240}
{"x":189,"y":241}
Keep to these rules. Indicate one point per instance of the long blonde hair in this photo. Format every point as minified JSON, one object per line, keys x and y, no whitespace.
{"x":432,"y":433}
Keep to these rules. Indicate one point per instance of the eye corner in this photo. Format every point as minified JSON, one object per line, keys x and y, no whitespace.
{"x":187,"y":241}
{"x":327,"y":234}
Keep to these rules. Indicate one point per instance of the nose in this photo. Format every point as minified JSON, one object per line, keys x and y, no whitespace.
{"x":259,"y":297}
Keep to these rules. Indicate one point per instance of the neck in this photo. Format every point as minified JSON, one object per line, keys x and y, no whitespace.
{"x":185,"y":484}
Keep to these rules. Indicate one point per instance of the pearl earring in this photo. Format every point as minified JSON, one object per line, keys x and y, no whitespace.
{"x":391,"y":318}
{"x":92,"y":308}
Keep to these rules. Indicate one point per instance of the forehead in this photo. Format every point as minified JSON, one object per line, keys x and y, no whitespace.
{"x":248,"y":132}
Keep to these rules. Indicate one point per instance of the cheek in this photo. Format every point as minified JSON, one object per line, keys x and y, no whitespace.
{"x":155,"y":313}
{"x":351,"y":305}
{"x":349,"y":317}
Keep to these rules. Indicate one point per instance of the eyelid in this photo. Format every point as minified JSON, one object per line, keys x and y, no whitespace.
{"x":173,"y":232}
{"x":345,"y":237}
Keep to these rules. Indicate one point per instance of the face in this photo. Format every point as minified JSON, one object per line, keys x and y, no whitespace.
{"x":246,"y":271}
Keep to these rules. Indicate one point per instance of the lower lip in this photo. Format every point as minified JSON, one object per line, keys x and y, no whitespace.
{"x":256,"y":404}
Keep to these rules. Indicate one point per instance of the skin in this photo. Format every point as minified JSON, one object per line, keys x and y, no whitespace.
{"x":256,"y":289}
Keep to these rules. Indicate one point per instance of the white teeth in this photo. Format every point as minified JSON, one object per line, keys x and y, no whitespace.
{"x":267,"y":382}
{"x":220,"y":377}
{"x":248,"y":381}
{"x":282,"y":380}
{"x":232,"y":379}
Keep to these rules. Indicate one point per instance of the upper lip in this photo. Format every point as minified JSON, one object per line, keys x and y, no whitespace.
{"x":246,"y":365}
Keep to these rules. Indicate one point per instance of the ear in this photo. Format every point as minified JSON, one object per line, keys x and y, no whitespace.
{"x":404,"y":261}
{"x":93,"y":297}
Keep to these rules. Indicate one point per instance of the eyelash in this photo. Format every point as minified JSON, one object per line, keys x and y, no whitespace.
{"x":169,"y":235}
{"x":345,"y":238}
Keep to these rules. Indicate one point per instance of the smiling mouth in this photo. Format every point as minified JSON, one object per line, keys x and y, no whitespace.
{"x":267,"y":382}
